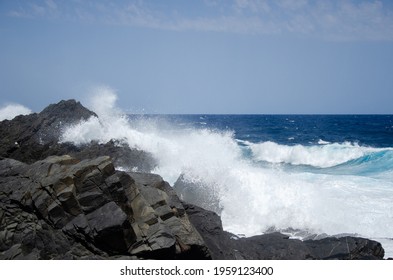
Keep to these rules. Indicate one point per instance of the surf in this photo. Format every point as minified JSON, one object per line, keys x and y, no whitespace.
{"x":323,"y":155}
{"x":253,"y":198}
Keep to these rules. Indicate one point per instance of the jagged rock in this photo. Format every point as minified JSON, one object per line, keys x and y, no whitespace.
{"x":25,"y":236}
{"x":156,"y":181}
{"x":164,"y":217}
{"x":87,"y":209}
{"x":36,"y":136}
{"x":122,"y":155}
{"x":29,"y":138}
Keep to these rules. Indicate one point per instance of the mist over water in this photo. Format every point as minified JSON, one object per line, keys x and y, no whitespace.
{"x":330,"y":188}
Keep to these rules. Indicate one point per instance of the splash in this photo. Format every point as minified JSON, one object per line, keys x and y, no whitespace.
{"x":253,"y":197}
{"x":10,"y":111}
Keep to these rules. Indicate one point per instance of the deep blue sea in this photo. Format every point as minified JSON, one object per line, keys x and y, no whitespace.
{"x":305,"y":175}
{"x":368,"y":130}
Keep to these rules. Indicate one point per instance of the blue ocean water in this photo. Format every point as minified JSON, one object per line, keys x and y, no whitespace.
{"x":305,"y":175}
{"x":368,"y":130}
{"x":344,"y":144}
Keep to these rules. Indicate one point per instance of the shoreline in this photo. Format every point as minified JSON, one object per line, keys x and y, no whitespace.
{"x":73,"y":215}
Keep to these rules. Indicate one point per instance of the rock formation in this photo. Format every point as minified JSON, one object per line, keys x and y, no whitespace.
{"x":36,"y":136}
{"x":61,"y":207}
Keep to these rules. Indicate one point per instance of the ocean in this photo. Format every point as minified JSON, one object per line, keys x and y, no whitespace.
{"x":308,"y":176}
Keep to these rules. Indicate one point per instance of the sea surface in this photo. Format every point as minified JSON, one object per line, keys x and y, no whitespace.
{"x":305,"y":175}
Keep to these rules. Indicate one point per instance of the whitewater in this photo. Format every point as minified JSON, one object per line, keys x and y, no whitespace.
{"x":323,"y":188}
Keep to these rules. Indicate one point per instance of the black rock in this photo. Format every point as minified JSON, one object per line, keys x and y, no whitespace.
{"x":209,"y":225}
{"x":36,"y":136}
{"x":28,"y":138}
{"x":61,"y":207}
{"x":347,"y":248}
{"x":277,"y":246}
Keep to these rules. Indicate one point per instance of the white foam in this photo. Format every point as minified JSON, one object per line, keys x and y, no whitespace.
{"x":323,"y":142}
{"x":319,"y":156}
{"x":256,"y":198}
{"x":10,"y":111}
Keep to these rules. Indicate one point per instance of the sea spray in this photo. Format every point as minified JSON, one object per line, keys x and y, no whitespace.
{"x":255,"y":197}
{"x":10,"y":111}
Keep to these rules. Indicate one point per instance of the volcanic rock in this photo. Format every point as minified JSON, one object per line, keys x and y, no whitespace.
{"x":277,"y":246}
{"x":61,"y":207}
{"x":36,"y":136}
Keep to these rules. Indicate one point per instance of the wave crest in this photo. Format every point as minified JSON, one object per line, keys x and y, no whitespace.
{"x":322,"y":156}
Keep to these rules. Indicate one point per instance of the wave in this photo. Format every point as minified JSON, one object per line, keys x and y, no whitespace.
{"x":10,"y":111}
{"x":377,"y":164}
{"x":254,"y":197}
{"x":322,"y":156}
{"x":176,"y":150}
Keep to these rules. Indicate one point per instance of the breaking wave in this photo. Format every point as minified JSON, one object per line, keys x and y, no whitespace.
{"x":323,"y":156}
{"x":253,"y":197}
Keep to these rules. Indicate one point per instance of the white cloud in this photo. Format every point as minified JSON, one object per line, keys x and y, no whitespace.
{"x":10,"y":111}
{"x":362,"y":20}
{"x":47,"y":8}
{"x":331,"y":20}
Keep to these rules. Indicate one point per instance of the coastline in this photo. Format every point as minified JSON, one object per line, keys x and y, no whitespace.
{"x":146,"y":214}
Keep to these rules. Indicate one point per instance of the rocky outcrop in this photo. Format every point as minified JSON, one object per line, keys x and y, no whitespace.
{"x":224,"y":245}
{"x":61,"y":207}
{"x":36,"y":136}
{"x":31,"y":137}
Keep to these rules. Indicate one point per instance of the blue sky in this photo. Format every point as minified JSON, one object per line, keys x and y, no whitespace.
{"x":207,"y":56}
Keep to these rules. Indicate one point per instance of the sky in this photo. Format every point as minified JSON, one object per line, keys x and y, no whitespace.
{"x":201,"y":56}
